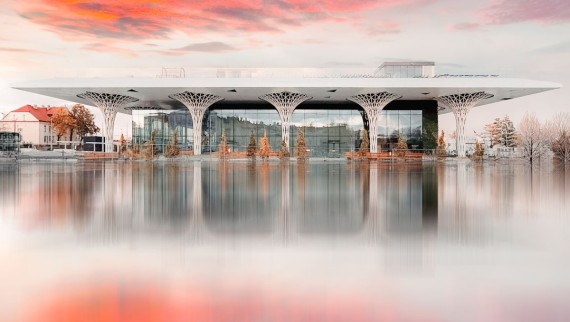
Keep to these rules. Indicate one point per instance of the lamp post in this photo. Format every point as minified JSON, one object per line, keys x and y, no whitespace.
{"x":50,"y":114}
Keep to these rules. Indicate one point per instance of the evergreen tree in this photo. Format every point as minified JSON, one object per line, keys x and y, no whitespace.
{"x":364,"y":144}
{"x":224,"y":148}
{"x":508,"y":135}
{"x":301,"y":146}
{"x":493,"y":131}
{"x":401,"y":147}
{"x":150,"y":148}
{"x":172,"y":149}
{"x":264,"y":146}
{"x":284,"y":151}
{"x":252,"y":147}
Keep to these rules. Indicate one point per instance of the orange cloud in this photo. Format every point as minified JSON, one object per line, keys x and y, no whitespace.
{"x":157,"y":19}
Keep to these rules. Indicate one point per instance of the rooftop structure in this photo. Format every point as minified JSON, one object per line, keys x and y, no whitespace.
{"x":198,"y":90}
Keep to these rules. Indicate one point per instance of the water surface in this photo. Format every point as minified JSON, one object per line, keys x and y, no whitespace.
{"x":270,"y":241}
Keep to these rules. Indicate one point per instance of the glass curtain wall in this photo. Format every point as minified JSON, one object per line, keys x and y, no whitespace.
{"x":163,"y":124}
{"x":328,"y":132}
{"x":395,"y":123}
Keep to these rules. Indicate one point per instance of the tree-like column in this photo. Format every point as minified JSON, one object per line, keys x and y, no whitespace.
{"x":108,"y":104}
{"x":373,"y":104}
{"x":285,"y":103}
{"x":460,"y":105}
{"x":197,"y":104}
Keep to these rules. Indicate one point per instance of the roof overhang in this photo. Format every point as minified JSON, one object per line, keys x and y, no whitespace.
{"x":154,"y":92}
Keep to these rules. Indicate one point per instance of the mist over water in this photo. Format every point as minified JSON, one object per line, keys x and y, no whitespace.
{"x":266,"y":241}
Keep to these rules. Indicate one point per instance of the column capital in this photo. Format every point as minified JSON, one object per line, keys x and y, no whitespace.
{"x":108,"y":103}
{"x":373,"y":104}
{"x":197,"y":104}
{"x":285,"y":103}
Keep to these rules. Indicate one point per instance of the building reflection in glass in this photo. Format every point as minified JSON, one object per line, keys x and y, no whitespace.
{"x":329,"y":132}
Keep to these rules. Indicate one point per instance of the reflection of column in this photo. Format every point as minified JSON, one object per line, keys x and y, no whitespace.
{"x":373,"y":201}
{"x":197,"y":104}
{"x":197,"y":215}
{"x":373,"y":103}
{"x":285,"y":201}
{"x":285,"y":103}
{"x":108,"y":104}
{"x":460,"y":104}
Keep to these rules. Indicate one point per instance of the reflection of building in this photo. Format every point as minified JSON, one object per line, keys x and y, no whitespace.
{"x":397,"y":99}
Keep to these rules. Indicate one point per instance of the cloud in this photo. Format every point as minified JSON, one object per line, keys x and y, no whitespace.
{"x":159,"y":19}
{"x":559,"y":48}
{"x":20,"y":50}
{"x":107,"y":48}
{"x":503,"y":12}
{"x":210,"y":47}
{"x":512,"y":11}
{"x":464,"y":26}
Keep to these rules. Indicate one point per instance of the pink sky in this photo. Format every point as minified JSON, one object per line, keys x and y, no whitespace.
{"x":78,"y":38}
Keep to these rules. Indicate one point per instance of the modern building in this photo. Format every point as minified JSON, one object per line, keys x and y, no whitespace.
{"x":330,"y":107}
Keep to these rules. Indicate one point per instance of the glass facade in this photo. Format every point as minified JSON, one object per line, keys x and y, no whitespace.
{"x":328,"y":132}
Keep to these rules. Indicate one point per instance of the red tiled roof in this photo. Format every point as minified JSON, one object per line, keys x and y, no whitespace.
{"x":42,"y":114}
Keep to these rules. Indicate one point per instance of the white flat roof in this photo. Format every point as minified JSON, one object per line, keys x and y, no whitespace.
{"x":154,"y":92}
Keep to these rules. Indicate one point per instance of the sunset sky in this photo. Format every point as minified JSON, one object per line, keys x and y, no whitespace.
{"x":75,"y":38}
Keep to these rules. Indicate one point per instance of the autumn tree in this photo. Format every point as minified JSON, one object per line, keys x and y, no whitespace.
{"x":122,"y":144}
{"x":63,"y":123}
{"x":252,"y":147}
{"x":172,"y":148}
{"x":284,"y":151}
{"x":301,"y":146}
{"x":150,"y":149}
{"x":264,"y":146}
{"x":224,"y":148}
{"x":440,"y":150}
{"x":533,"y":138}
{"x":83,"y":120}
{"x":479,"y":151}
{"x":364,"y":144}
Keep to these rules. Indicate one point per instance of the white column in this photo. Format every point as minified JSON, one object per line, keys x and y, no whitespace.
{"x":197,"y":104}
{"x":460,"y":105}
{"x":108,"y":104}
{"x":285,"y":103}
{"x":373,"y":104}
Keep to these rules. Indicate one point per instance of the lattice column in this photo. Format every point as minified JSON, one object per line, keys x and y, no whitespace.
{"x":108,"y":104}
{"x":461,"y":104}
{"x":373,"y":104}
{"x":285,"y":103}
{"x":197,"y":104}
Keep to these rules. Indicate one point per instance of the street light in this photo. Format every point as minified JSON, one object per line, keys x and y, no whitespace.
{"x":50,"y":114}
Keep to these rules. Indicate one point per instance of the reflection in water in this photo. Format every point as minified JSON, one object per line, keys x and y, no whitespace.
{"x":375,"y":220}
{"x":240,"y":198}
{"x":297,"y":200}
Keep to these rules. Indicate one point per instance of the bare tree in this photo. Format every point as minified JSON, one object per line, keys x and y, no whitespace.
{"x":559,"y":136}
{"x":533,"y":138}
